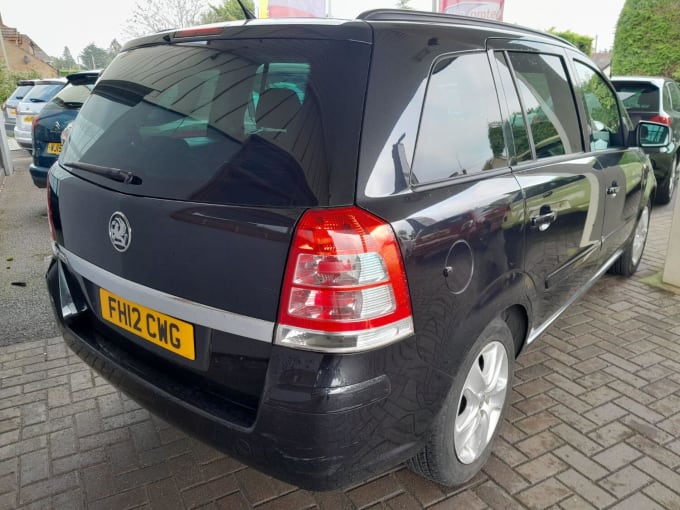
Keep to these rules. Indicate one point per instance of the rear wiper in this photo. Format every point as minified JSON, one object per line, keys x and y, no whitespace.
{"x":115,"y":174}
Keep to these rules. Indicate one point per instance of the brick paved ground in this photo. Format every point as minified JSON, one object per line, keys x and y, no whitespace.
{"x":594,"y":424}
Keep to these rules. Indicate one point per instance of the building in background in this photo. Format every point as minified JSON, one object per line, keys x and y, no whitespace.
{"x":20,"y":54}
{"x":487,"y":9}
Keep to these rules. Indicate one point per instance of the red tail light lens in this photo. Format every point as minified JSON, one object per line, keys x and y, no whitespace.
{"x":35,"y":122}
{"x":345,"y":287}
{"x":662,"y":119}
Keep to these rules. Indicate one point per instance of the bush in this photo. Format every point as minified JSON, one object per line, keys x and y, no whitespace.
{"x":8,"y":81}
{"x":647,"y":40}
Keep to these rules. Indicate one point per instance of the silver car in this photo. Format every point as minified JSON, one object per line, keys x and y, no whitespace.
{"x":30,"y":107}
{"x":9,"y":107}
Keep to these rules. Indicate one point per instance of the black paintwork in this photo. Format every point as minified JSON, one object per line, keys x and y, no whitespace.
{"x":470,"y":250}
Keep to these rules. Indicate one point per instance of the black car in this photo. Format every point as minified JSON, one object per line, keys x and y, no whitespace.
{"x":58,"y":113}
{"x":656,"y":99}
{"x":319,"y":245}
{"x":9,"y":107}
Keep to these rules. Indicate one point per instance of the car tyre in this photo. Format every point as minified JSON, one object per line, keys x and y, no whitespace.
{"x":462,"y":435}
{"x":666,"y":190}
{"x":627,"y":264}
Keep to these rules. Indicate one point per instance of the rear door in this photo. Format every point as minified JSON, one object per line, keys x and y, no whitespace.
{"x":563,"y":214}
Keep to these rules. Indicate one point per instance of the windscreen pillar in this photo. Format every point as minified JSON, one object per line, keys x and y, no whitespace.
{"x":671,"y":272}
{"x":5,"y":159}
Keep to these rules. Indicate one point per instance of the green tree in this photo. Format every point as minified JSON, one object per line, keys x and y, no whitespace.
{"x":582,"y":42}
{"x":230,"y":10}
{"x":94,"y":57}
{"x":8,"y":81}
{"x":647,"y":39}
{"x":150,"y":16}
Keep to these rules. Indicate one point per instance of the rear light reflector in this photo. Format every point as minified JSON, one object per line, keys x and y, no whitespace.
{"x":35,"y":122}
{"x":50,"y":219}
{"x":662,"y":119}
{"x":345,"y":287}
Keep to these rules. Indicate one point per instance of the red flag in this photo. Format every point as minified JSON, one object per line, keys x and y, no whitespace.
{"x":487,"y":9}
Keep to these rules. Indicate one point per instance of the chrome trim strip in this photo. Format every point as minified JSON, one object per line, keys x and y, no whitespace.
{"x":189,"y":311}
{"x":536,"y":332}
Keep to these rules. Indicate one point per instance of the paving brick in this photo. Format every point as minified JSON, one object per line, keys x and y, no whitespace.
{"x":233,"y":501}
{"x":576,"y":439}
{"x":78,"y":461}
{"x":425,"y":491}
{"x":585,"y":488}
{"x":63,"y":443}
{"x":164,"y":494}
{"x":541,"y":468}
{"x":467,"y":500}
{"x":73,"y":499}
{"x":297,"y":500}
{"x":617,"y":456}
{"x":45,"y":488}
{"x":611,"y":434}
{"x":637,"y":502}
{"x":537,"y":423}
{"x":575,"y":502}
{"x":126,"y":499}
{"x":544,"y":494}
{"x":580,"y":462}
{"x":380,"y":489}
{"x":34,"y":467}
{"x":211,"y":491}
{"x":504,"y":476}
{"x":539,"y":444}
{"x":663,"y":496}
{"x":333,"y":501}
{"x":625,"y":482}
{"x":496,"y":498}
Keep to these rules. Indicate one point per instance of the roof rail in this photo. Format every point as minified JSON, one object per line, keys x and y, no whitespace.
{"x":440,"y":17}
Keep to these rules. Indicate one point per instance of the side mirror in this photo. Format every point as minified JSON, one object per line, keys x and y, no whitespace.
{"x":652,"y":134}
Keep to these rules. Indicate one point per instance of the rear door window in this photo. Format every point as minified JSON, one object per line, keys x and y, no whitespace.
{"x":247,"y":122}
{"x":21,"y":92}
{"x":548,"y":103}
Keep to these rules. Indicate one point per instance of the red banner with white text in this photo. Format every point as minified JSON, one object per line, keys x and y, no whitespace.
{"x":487,"y":9}
{"x":292,"y":9}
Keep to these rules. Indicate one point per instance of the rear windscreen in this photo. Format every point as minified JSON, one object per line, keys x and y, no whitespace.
{"x":43,"y":93}
{"x":20,"y":92}
{"x":247,"y":122}
{"x":642,"y":97}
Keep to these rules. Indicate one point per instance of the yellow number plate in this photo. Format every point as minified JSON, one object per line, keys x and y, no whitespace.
{"x":167,"y":332}
{"x":27,"y":118}
{"x":54,"y":148}
{"x":12,"y":111}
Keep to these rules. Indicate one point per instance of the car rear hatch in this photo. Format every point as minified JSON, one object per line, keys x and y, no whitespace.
{"x":177,"y":194}
{"x":642,"y":99}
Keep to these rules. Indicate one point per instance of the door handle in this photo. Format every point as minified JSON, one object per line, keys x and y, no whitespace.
{"x":543,"y":221}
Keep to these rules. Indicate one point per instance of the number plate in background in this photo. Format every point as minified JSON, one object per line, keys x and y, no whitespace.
{"x":54,"y":148}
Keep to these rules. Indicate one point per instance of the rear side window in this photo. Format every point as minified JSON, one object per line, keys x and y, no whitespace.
{"x":461,"y":131}
{"x":548,"y":103}
{"x":602,"y":111}
{"x":639,"y":97}
{"x":246,"y":122}
{"x":674,"y":95}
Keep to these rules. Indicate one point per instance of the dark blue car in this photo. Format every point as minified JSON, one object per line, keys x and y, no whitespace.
{"x":54,"y":117}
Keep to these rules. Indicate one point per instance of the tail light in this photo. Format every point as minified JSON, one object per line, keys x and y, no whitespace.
{"x":345,"y":287}
{"x":4,"y":106}
{"x":662,"y":119}
{"x":35,"y":122}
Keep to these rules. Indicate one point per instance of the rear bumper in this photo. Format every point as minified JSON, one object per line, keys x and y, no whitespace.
{"x":39,"y":175}
{"x":322,"y":421}
{"x":23,"y":138}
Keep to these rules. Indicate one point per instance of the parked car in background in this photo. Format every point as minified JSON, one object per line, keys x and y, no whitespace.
{"x":9,"y":107}
{"x":656,"y":99}
{"x":319,"y":245}
{"x":49,"y":124}
{"x":30,"y":106}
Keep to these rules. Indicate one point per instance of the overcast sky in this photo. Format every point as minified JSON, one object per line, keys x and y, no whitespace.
{"x":76,"y":23}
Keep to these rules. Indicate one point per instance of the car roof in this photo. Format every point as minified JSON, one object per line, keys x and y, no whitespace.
{"x":48,"y":81}
{"x":656,"y":80}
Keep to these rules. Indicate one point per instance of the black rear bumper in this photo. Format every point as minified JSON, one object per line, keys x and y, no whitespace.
{"x":322,"y":421}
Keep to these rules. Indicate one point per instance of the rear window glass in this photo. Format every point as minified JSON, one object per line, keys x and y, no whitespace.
{"x":641,"y":97}
{"x":43,"y":93}
{"x":20,"y":92}
{"x":246,"y":122}
{"x":72,"y":96}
